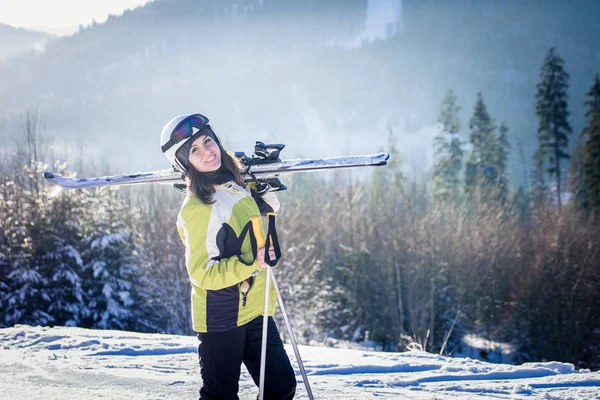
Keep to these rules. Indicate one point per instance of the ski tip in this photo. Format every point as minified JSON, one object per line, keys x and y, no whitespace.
{"x":384,"y":159}
{"x":48,"y":175}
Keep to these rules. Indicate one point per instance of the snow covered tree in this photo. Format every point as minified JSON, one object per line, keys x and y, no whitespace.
{"x":4,"y":270}
{"x":448,"y":152}
{"x":61,"y":233}
{"x":32,"y":254}
{"x":11,"y":234}
{"x":22,"y":278}
{"x":554,"y":128}
{"x":43,"y":285}
{"x":111,"y":262}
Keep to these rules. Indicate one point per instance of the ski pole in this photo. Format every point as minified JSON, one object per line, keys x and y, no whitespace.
{"x":263,"y":348}
{"x":270,"y":240}
{"x":292,"y":339}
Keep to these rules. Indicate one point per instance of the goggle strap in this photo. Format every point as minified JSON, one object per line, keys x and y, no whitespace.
{"x":167,"y":145}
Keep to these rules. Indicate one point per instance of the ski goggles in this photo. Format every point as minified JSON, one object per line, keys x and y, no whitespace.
{"x":185,"y":130}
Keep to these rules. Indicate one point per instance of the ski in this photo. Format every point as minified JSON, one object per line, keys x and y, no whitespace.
{"x":254,"y":168}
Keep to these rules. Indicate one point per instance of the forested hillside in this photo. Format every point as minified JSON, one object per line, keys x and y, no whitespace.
{"x":378,"y":256}
{"x":310,"y":72}
{"x":15,"y":41}
{"x":484,"y":222}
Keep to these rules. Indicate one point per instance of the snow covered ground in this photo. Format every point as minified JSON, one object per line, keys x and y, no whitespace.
{"x":74,"y":363}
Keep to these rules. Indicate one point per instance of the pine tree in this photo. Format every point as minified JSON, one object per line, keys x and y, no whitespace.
{"x":27,"y":255}
{"x":44,"y":283}
{"x":591,"y":157}
{"x":386,"y":184}
{"x":481,"y":169}
{"x":521,"y":203}
{"x":448,"y":152}
{"x":577,"y":177}
{"x":501,"y":160}
{"x":111,"y":261}
{"x":540,"y":189}
{"x":551,"y":107}
{"x":24,"y":300}
{"x":8,"y":233}
{"x":21,"y":301}
{"x":62,"y":234}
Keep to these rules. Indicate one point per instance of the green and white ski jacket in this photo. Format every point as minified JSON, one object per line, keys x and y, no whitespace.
{"x":219,"y":258}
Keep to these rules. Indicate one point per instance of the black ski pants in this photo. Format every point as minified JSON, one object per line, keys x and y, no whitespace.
{"x":222,"y":354}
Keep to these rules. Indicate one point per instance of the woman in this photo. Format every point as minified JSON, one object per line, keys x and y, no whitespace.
{"x":219,"y":222}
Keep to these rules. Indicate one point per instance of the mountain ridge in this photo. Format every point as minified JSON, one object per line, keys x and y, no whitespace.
{"x":283,"y":70}
{"x":15,"y":41}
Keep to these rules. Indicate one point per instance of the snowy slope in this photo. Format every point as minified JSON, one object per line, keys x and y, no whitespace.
{"x":75,"y":363}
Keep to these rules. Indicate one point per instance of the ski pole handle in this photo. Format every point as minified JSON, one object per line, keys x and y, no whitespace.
{"x":271,"y":240}
{"x":258,"y":232}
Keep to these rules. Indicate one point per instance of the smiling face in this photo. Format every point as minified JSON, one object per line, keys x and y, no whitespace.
{"x":205,"y":154}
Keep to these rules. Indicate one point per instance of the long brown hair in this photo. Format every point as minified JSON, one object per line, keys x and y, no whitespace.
{"x":201,"y":183}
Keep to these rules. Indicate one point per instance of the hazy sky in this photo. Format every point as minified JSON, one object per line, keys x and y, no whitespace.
{"x":59,"y":14}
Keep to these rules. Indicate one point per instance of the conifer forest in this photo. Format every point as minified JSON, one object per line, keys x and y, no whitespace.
{"x":384,"y":256}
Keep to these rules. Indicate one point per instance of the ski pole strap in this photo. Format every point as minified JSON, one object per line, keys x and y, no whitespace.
{"x":272,"y":239}
{"x":248,"y":230}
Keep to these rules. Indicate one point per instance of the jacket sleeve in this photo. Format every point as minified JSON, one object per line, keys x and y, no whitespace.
{"x":204,"y":272}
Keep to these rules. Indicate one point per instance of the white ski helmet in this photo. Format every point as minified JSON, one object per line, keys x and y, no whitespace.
{"x":178,"y":135}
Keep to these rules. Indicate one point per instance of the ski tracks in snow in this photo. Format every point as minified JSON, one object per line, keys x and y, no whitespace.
{"x":73,"y":363}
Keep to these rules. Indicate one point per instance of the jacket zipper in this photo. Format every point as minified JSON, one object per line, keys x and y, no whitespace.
{"x":245,"y":287}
